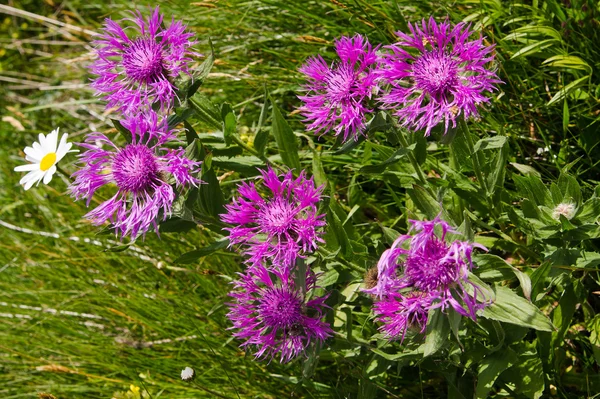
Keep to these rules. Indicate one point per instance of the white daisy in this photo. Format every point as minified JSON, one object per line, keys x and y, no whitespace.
{"x":43,"y":157}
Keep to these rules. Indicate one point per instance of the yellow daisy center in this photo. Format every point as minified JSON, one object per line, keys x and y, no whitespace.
{"x":48,"y":161}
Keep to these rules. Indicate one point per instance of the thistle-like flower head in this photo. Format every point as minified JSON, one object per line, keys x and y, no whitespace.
{"x":337,"y":95}
{"x":140,"y":170}
{"x":422,"y":271}
{"x":136,"y":67}
{"x":437,"y":73}
{"x":272,"y":315}
{"x":277,"y":225}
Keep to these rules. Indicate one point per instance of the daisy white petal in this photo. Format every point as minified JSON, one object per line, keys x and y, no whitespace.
{"x":26,"y":168}
{"x":32,"y":178}
{"x":49,"y":173}
{"x":33,"y":154}
{"x":63,"y":148}
{"x":43,"y":156}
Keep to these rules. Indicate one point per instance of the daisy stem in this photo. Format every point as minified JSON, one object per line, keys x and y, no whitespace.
{"x":464,"y":128}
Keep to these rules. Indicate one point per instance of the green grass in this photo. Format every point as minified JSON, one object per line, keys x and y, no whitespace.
{"x":81,"y":322}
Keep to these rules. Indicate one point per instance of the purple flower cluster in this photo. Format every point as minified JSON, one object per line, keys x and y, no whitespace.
{"x":137,"y":70}
{"x":276,"y":224}
{"x":435,"y":74}
{"x":274,"y":315}
{"x":432,"y":273}
{"x":338,"y":96}
{"x":140,"y":170}
{"x":133,"y":74}
{"x":278,"y":227}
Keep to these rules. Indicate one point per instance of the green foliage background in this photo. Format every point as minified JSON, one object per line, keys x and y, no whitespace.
{"x":83,"y":316}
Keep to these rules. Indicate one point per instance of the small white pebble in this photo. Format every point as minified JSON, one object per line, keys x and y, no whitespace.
{"x":187,"y":374}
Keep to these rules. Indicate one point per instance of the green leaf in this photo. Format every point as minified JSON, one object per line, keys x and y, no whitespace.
{"x":207,"y":198}
{"x":525,"y":169}
{"x":538,"y":279}
{"x":395,"y":157}
{"x":122,"y":130}
{"x":534,"y":48}
{"x":498,"y":173}
{"x":187,"y":85}
{"x":390,"y":235}
{"x":336,"y":225}
{"x":407,"y":355}
{"x":318,"y":171}
{"x":262,"y":135}
{"x":424,"y":201}
{"x":206,"y":111}
{"x":510,"y":308}
{"x":527,"y":374}
{"x":570,"y":189}
{"x":438,"y":329}
{"x":286,"y":140}
{"x":193,"y":256}
{"x":533,"y":188}
{"x":590,"y":210}
{"x":494,"y":262}
{"x":229,"y":122}
{"x":176,"y":225}
{"x":190,"y":132}
{"x":490,"y":143}
{"x":118,"y":248}
{"x":180,"y":115}
{"x":491,"y":367}
{"x":568,"y":89}
{"x":328,"y":278}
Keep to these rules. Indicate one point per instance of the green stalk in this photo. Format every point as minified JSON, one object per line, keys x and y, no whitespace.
{"x":414,"y":163}
{"x":246,"y":147}
{"x":464,"y":129}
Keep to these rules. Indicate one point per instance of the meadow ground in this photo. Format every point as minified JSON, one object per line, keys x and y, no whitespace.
{"x":82,"y":319}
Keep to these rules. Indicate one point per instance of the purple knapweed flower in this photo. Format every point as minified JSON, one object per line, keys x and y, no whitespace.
{"x":436,"y":74}
{"x":431,"y":273}
{"x":141,"y":172}
{"x":398,"y":313}
{"x":137,"y":70}
{"x":338,"y":95}
{"x":280,"y":225}
{"x":274,"y":316}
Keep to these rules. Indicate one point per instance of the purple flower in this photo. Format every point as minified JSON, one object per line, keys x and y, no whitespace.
{"x":140,"y":170}
{"x":398,"y":313}
{"x":431,"y":273}
{"x":338,"y":95}
{"x":274,"y":316}
{"x":279,"y":226}
{"x":437,"y":74}
{"x":135,"y":72}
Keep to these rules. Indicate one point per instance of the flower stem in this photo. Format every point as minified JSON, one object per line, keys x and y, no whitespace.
{"x":474,"y":156}
{"x":413,"y":161}
{"x":246,"y":147}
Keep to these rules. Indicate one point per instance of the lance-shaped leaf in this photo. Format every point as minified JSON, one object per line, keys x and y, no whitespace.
{"x":508,"y":307}
{"x":286,"y":140}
